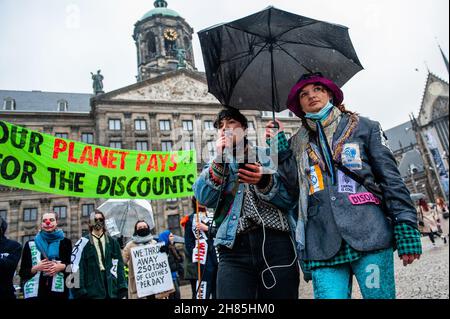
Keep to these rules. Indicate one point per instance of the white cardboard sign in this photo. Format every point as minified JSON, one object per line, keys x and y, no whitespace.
{"x":151,"y":269}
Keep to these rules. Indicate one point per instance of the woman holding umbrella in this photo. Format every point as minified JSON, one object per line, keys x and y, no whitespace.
{"x":354,"y":208}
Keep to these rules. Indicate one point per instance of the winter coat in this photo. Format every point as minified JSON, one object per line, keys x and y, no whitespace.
{"x":430,"y":219}
{"x":126,"y":254}
{"x":9,"y":259}
{"x":207,"y":193}
{"x":211,"y":257}
{"x":45,"y":282}
{"x":190,"y":269}
{"x":332,"y":215}
{"x":92,"y":285}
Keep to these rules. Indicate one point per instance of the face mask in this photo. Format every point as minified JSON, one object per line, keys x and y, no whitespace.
{"x":99,"y":225}
{"x":322,"y":114}
{"x":143,"y":232}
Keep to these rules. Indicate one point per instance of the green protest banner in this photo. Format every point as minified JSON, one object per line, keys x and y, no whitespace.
{"x":45,"y":163}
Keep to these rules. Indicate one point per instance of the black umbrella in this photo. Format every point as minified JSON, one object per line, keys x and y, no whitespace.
{"x":253,"y":62}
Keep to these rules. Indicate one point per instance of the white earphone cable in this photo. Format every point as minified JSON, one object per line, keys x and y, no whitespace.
{"x":269,"y":268}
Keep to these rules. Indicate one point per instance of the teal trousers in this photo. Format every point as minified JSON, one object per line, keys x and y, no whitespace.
{"x":374,"y":273}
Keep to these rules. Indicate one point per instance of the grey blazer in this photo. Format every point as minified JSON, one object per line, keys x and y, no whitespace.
{"x":333,"y":216}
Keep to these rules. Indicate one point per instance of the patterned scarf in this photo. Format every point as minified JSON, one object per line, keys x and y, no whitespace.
{"x":329,"y":127}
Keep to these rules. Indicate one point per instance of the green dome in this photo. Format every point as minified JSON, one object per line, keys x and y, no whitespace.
{"x":163,"y":11}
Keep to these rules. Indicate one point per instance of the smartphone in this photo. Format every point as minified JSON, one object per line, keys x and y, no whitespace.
{"x":242,"y":165}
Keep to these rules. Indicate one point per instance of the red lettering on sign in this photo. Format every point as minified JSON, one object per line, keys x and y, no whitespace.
{"x":86,"y":156}
{"x":122,"y":159}
{"x":163,"y":159}
{"x":174,"y":160}
{"x":71,"y":158}
{"x":141,"y":160}
{"x":102,"y":157}
{"x":112,"y":159}
{"x":153,"y":165}
{"x":58,"y":147}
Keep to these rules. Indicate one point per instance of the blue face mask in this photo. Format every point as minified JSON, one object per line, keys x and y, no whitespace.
{"x":322,"y":114}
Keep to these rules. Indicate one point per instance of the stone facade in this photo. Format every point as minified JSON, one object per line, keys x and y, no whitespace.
{"x":163,"y":42}
{"x":432,"y":133}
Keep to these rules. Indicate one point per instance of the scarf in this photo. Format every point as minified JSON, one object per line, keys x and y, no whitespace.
{"x":326,"y":118}
{"x":48,"y":243}
{"x":142,"y":240}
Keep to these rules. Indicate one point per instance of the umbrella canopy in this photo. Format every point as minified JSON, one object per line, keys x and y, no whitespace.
{"x":253,"y":62}
{"x":122,"y":214}
{"x":416,"y":196}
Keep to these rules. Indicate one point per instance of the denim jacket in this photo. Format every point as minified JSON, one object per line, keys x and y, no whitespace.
{"x":207,"y":193}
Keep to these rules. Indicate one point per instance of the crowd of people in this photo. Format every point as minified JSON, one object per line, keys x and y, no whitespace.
{"x":328,"y":202}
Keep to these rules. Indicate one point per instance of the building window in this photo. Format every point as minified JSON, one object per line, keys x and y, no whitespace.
{"x":166,"y":146}
{"x":87,"y":138}
{"x":61,"y":211}
{"x":211,"y":148}
{"x":164,"y":125}
{"x":209,"y":125}
{"x":63,"y":106}
{"x":27,"y":238}
{"x":151,"y":44}
{"x":3,"y":213}
{"x":115,"y":125}
{"x":188,"y":126}
{"x":187,"y":44}
{"x":62,"y":135}
{"x":87,"y":209}
{"x":117,"y":144}
{"x":189,"y":145}
{"x":142,"y":146}
{"x":9,"y":104}
{"x":30,"y":214}
{"x":251,"y":125}
{"x":140,"y":125}
{"x":173,"y":223}
{"x":170,"y":47}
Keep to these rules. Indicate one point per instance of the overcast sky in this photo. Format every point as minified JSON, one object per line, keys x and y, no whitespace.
{"x":53,"y":45}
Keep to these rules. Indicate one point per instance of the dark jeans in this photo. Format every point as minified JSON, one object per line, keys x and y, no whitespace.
{"x":240,"y":268}
{"x":431,"y":236}
{"x":193,"y":287}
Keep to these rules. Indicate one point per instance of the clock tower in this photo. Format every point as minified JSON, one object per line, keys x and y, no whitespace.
{"x":163,"y":42}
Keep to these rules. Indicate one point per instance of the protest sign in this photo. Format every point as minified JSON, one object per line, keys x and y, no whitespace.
{"x":44,"y":163}
{"x":151,"y":269}
{"x":199,"y":253}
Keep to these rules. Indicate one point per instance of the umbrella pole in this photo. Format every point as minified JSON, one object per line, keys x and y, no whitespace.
{"x":272,"y":73}
{"x":197,"y":235}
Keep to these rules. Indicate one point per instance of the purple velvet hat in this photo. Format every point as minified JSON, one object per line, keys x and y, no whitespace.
{"x":294,"y":105}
